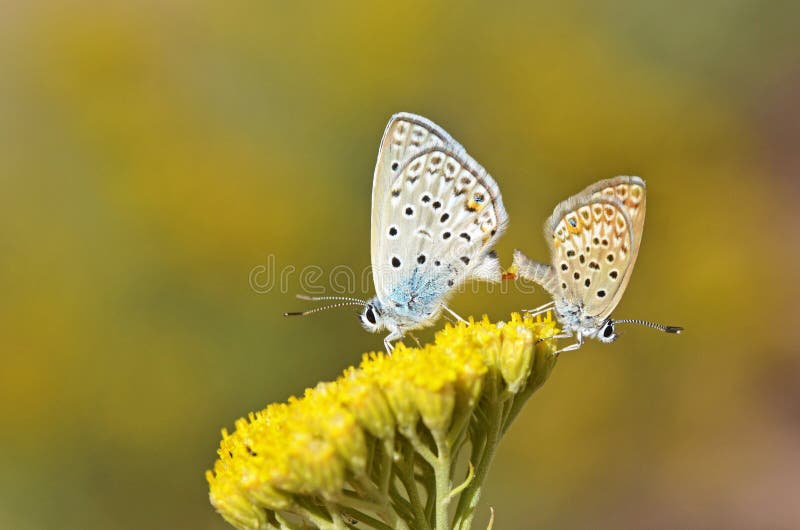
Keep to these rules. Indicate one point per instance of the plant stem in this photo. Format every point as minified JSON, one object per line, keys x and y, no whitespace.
{"x":312,"y":514}
{"x":364,"y":518}
{"x":443,"y":483}
{"x":338,"y":522}
{"x":285,"y":524}
{"x":471,"y":495}
{"x":386,"y":464}
{"x":386,"y":510}
{"x":406,"y":476}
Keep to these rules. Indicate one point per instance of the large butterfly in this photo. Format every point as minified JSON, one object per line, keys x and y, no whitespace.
{"x":436,"y":214}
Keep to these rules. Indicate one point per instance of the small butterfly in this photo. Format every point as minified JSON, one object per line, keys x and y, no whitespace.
{"x":594,"y":238}
{"x":436,"y":214}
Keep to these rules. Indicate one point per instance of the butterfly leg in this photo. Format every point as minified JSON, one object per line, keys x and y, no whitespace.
{"x":540,"y":310}
{"x":565,"y":335}
{"x":572,"y":347}
{"x":454,"y":314}
{"x":419,"y":344}
{"x":387,"y":342}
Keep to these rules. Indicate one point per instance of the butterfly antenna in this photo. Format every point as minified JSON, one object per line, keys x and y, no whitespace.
{"x":659,"y":327}
{"x":323,"y":308}
{"x":338,"y":298}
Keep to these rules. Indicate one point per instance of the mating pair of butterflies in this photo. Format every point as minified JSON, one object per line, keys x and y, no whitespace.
{"x":436,"y":214}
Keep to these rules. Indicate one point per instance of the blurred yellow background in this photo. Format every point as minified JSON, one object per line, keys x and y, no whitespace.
{"x":153,"y":155}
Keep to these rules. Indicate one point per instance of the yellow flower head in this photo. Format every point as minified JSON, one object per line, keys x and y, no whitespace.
{"x":345,"y":437}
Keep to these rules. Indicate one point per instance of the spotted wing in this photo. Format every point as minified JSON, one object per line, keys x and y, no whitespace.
{"x":436,"y":223}
{"x":595,"y":238}
{"x":631,"y":192}
{"x":404,"y":137}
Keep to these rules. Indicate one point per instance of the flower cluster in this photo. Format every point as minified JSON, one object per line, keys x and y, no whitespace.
{"x":379,"y":446}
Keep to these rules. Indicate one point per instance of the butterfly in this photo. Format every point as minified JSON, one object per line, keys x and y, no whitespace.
{"x":436,"y":214}
{"x":594,"y":239}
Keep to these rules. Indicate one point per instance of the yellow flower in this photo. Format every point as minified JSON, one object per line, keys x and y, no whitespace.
{"x":516,"y":355}
{"x":335,"y":453}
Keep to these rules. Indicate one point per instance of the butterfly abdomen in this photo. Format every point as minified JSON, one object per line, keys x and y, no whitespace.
{"x":534,"y":271}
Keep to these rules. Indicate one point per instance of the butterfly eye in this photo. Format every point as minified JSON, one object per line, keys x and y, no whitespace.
{"x":608,"y":331}
{"x":370,"y":316}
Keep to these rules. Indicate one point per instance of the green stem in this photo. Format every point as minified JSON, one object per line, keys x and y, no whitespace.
{"x":428,"y":458}
{"x":346,"y":502}
{"x":406,"y":476}
{"x":311,"y":514}
{"x":338,"y":522}
{"x":427,"y":478}
{"x":387,"y":511}
{"x":400,"y":503}
{"x":371,"y":450}
{"x":460,"y":424}
{"x":420,"y":447}
{"x":285,"y":524}
{"x":444,"y":485}
{"x":367,"y":519}
{"x":471,"y":495}
{"x":478,"y":440}
{"x":386,"y":464}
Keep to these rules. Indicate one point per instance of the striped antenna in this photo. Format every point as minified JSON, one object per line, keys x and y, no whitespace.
{"x":339,"y":298}
{"x":342,"y":302}
{"x":323,"y":308}
{"x":659,"y":327}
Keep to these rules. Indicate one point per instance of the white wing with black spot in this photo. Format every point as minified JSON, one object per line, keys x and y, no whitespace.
{"x":436,"y":213}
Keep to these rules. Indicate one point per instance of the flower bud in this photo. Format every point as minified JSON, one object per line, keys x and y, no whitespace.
{"x":516,"y":355}
{"x":232,"y":505}
{"x":348,"y":438}
{"x":435,"y":405}
{"x":365,"y":400}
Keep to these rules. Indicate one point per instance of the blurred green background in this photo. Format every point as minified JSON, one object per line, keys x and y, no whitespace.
{"x":153,"y":155}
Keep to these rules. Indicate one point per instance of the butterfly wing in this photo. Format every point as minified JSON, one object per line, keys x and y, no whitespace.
{"x":595,"y":238}
{"x":436,"y":220}
{"x":405,"y":135}
{"x":631,"y":192}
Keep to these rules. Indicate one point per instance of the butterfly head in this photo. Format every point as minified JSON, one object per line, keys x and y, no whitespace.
{"x":607,"y":330}
{"x":573,"y":317}
{"x":607,"y":333}
{"x":372,"y":318}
